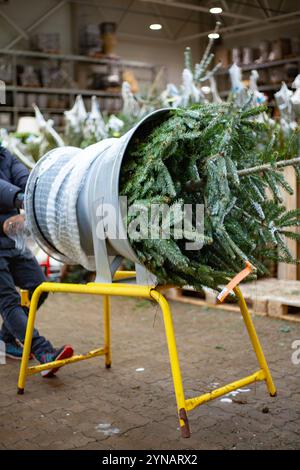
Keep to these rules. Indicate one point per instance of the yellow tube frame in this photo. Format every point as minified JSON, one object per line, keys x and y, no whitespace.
{"x":152,"y":293}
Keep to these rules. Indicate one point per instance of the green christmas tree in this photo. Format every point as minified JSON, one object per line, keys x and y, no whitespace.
{"x":217,"y":155}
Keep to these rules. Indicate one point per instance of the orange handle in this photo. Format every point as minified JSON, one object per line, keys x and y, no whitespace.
{"x":235,"y":281}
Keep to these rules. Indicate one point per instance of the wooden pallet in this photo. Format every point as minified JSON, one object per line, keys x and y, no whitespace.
{"x":270,"y":297}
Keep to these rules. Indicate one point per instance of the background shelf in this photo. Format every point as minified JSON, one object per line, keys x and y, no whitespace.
{"x":79,"y":69}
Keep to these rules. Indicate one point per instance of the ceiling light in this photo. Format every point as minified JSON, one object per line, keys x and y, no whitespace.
{"x":215,"y":10}
{"x":213,"y":35}
{"x":155,"y":26}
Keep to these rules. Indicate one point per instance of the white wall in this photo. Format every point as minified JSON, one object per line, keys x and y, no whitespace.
{"x":69,"y":18}
{"x":171,"y":56}
{"x":24,"y":13}
{"x":269,"y":34}
{"x":157,"y":51}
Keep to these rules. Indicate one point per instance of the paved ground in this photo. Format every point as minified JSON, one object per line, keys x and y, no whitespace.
{"x":88,"y":407}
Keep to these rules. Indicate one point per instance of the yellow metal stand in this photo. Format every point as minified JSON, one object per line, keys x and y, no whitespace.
{"x":132,"y":290}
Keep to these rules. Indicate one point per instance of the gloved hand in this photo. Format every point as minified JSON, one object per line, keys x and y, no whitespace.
{"x":14,"y":225}
{"x":19,"y":200}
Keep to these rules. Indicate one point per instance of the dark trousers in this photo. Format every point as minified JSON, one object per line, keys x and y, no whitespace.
{"x":27,"y":274}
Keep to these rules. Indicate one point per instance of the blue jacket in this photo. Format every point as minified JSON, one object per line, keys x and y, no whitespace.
{"x":13,"y":178}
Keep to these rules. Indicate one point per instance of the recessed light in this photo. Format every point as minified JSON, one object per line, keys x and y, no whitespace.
{"x":215,"y":10}
{"x":155,"y":26}
{"x":213,"y":35}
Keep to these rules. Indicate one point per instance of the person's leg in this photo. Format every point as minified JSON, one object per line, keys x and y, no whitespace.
{"x":13,"y":315}
{"x":13,"y":349}
{"x":27,"y":274}
{"x":5,"y":335}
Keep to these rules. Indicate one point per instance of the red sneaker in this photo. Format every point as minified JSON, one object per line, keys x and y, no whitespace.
{"x":63,"y":353}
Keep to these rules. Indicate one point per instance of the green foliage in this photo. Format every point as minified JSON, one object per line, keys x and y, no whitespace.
{"x":244,"y":219}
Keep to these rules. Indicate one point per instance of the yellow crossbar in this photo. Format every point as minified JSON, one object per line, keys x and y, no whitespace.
{"x":192,"y":403}
{"x":124,"y":275}
{"x":63,"y":362}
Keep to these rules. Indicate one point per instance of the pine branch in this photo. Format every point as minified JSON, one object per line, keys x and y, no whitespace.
{"x":269,"y":166}
{"x":195,"y":186}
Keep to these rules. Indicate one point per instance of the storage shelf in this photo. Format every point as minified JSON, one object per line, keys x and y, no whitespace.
{"x":8,"y":128}
{"x":12,"y":128}
{"x":63,"y":91}
{"x":29,"y":109}
{"x":78,"y":58}
{"x":264,"y":65}
{"x":260,"y":88}
{"x":111,"y":104}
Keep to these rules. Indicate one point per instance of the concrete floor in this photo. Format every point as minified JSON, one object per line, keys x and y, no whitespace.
{"x":132,"y":405}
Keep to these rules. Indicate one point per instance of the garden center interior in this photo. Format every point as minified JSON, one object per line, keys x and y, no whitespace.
{"x":149,"y":225}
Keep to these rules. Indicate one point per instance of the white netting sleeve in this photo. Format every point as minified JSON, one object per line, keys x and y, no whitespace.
{"x":61,"y":211}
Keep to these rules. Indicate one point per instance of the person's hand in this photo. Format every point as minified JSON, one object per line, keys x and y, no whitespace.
{"x":14,"y":225}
